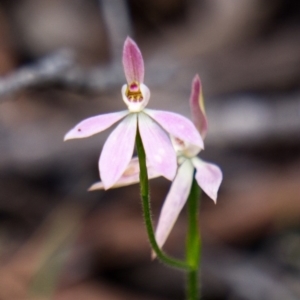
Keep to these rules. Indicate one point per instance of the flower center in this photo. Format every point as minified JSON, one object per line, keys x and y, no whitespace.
{"x":136,"y":96}
{"x":183,"y":148}
{"x":179,"y":142}
{"x":133,"y":93}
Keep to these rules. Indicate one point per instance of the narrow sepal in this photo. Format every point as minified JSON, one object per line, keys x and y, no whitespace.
{"x":209,"y":177}
{"x":94,"y":125}
{"x":133,"y":62}
{"x":197,"y":107}
{"x":158,"y":147}
{"x":174,"y":202}
{"x":117,"y":151}
{"x":178,"y":126}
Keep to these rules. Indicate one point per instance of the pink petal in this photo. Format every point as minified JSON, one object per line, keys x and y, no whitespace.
{"x":209,"y":177}
{"x":94,"y":125}
{"x":130,"y":176}
{"x":174,"y":202}
{"x":158,"y":147}
{"x":177,"y":125}
{"x":117,"y":151}
{"x":133,"y":62}
{"x":97,"y":186}
{"x":197,"y":107}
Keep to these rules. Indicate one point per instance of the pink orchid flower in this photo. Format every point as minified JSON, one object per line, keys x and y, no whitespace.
{"x":208,"y":176}
{"x":153,"y":125}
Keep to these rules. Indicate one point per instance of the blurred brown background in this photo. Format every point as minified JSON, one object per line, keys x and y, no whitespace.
{"x":60,"y":62}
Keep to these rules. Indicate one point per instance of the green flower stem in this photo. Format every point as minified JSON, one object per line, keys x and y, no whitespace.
{"x":193,"y":245}
{"x":144,"y":185}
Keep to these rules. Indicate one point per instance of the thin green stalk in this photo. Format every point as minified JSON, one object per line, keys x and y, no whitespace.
{"x":144,"y":185}
{"x":193,"y":246}
{"x":192,"y":285}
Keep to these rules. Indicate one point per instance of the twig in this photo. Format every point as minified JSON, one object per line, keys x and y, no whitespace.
{"x":61,"y":67}
{"x":47,"y":69}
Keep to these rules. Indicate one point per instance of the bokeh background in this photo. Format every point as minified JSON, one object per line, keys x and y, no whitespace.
{"x":60,"y":62}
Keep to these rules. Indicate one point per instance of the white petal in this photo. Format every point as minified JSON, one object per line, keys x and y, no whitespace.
{"x":208,"y":176}
{"x":94,"y":125}
{"x":178,"y":126}
{"x":130,"y":176}
{"x":117,"y":151}
{"x":158,"y":147}
{"x":175,"y":201}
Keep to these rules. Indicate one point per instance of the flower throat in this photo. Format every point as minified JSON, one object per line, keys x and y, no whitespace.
{"x":133,"y":93}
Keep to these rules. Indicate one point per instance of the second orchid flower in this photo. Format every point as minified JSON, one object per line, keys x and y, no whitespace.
{"x":208,"y":176}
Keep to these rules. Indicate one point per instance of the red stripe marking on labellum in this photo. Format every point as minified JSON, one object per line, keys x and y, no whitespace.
{"x":133,"y":92}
